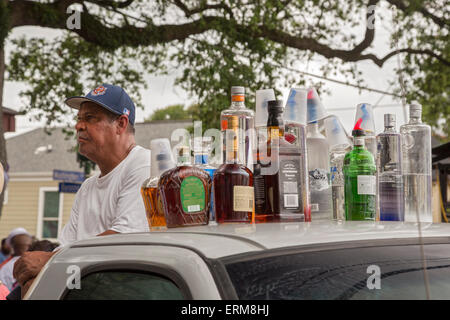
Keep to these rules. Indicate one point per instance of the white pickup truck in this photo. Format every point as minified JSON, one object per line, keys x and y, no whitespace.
{"x":329,"y":260}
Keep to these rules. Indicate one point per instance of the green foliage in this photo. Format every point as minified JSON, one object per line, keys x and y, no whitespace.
{"x":175,"y":112}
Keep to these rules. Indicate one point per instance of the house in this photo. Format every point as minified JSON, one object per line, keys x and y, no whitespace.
{"x":32,"y":199}
{"x":9,"y":119}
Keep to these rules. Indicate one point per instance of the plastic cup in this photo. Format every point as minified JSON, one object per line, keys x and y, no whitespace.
{"x":262,"y":97}
{"x":296,"y":106}
{"x":335,"y":132}
{"x":316,"y":111}
{"x":365,"y":111}
{"x":161,"y":156}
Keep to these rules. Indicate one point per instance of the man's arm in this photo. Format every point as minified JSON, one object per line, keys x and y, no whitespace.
{"x":107,"y":232}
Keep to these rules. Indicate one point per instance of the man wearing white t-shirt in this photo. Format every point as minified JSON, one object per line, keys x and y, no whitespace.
{"x":109,"y":202}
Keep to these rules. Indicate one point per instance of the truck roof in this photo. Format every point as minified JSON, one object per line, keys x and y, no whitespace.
{"x":218,"y":241}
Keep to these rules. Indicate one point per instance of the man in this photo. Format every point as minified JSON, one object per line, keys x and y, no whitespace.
{"x":109,"y":202}
{"x":19,"y":240}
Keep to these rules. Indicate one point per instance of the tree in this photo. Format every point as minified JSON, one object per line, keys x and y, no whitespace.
{"x":174,"y":112}
{"x":217,"y":44}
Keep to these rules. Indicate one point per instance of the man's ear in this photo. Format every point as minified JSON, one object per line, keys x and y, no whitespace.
{"x":122,"y":124}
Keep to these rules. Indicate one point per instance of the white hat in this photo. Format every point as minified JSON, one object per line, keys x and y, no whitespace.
{"x":16,"y":232}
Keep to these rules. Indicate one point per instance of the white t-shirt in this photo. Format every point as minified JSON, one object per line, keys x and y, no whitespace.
{"x":112,"y":202}
{"x":6,"y":273}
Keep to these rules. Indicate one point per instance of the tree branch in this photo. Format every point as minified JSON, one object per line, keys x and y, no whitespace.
{"x":399,"y":4}
{"x":189,"y":12}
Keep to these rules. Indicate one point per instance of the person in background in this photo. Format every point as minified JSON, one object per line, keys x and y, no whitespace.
{"x":4,"y":251}
{"x":109,"y":202}
{"x":37,"y":245}
{"x":20,"y":241}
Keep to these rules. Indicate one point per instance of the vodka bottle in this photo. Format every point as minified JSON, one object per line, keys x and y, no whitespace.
{"x":245,"y":134}
{"x":319,"y":170}
{"x":339,"y":146}
{"x":389,"y":172}
{"x":202,"y":148}
{"x":360,"y":180}
{"x":416,"y":150}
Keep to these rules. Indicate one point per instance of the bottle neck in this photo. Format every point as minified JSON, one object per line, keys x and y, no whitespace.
{"x":238,"y":102}
{"x":275,"y":125}
{"x":200,"y":158}
{"x":389,"y":129}
{"x":415,"y":119}
{"x":358,"y":142}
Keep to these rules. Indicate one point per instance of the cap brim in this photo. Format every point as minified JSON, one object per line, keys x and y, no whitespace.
{"x":75,"y":102}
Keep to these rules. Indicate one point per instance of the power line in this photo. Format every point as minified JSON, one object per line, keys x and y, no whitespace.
{"x":378,"y":106}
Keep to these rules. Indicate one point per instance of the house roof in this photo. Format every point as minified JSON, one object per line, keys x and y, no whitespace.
{"x":10,"y":111}
{"x":36,"y":151}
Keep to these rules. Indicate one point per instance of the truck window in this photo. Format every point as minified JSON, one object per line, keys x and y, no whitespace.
{"x":125,"y":285}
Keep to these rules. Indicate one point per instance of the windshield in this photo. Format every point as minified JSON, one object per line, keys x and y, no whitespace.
{"x":377,"y":272}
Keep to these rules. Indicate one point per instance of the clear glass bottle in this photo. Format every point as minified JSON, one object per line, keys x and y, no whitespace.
{"x":391,"y":202}
{"x":246,"y":132}
{"x":417,"y":174}
{"x":162,"y":161}
{"x":360,"y":180}
{"x":202,"y":149}
{"x":339,"y":146}
{"x":319,"y":170}
{"x":233,"y":182}
{"x":185,"y":192}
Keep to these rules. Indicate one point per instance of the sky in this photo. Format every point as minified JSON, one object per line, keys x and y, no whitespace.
{"x":162,"y":92}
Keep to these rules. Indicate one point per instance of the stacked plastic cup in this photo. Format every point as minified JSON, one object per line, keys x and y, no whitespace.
{"x":161,"y":156}
{"x":316,"y":111}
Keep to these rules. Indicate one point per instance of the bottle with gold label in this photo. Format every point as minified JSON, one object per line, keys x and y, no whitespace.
{"x":233,"y":181}
{"x":162,"y":160}
{"x":185,"y":192}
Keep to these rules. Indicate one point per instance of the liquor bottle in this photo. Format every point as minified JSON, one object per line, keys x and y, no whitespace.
{"x":360,"y":179}
{"x":389,"y":173}
{"x":161,"y":161}
{"x":185,"y":192}
{"x":246,"y":118}
{"x":202,"y":148}
{"x":339,"y":146}
{"x":364,"y":111}
{"x":295,"y":116}
{"x":233,"y":181}
{"x":282,"y":182}
{"x":319,"y":170}
{"x":416,"y":150}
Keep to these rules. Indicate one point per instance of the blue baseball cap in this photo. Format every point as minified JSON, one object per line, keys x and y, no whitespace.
{"x":110,"y":97}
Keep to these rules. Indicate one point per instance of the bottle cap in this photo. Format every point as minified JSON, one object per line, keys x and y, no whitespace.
{"x":415,"y":110}
{"x":296,"y":106}
{"x":316,"y":110}
{"x":357,"y":130}
{"x":335,"y":132}
{"x":237,"y":90}
{"x":275,"y":106}
{"x":389,"y":120}
{"x":261,"y":114}
{"x":161,"y":155}
{"x":364,"y":111}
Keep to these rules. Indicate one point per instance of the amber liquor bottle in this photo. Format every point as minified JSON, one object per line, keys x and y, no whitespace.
{"x":185,"y":192}
{"x":233,"y":182}
{"x":161,"y":161}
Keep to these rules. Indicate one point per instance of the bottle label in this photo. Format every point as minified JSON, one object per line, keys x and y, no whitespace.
{"x":243,"y":198}
{"x":318,"y":179}
{"x":192,"y":195}
{"x":290,"y":184}
{"x":367,"y":185}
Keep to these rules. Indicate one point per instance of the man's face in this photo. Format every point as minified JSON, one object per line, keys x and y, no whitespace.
{"x":95,"y":130}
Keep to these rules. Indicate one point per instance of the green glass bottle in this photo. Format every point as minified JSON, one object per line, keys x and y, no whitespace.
{"x":360,"y":180}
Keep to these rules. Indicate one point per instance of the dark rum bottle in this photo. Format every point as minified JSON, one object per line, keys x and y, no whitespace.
{"x":185,"y":192}
{"x":233,"y":182}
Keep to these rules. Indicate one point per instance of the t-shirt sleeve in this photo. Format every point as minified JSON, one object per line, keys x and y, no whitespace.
{"x":131,"y":210}
{"x":69,"y":232}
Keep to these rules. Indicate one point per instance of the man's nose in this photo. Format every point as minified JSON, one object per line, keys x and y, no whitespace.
{"x":79,"y":125}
